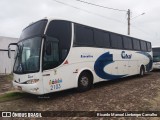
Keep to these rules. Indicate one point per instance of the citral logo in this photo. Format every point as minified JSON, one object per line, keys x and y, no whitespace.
{"x":125,"y":55}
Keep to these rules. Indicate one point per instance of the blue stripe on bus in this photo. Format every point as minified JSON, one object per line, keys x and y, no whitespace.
{"x":149,"y":65}
{"x":104,"y":60}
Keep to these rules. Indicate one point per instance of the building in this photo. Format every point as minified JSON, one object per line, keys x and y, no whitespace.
{"x":6,"y":64}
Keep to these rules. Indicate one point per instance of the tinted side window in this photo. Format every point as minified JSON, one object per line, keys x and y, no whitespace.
{"x":136,"y":44}
{"x":101,"y":39}
{"x":116,"y":41}
{"x":149,"y":46}
{"x":84,"y":35}
{"x":61,"y":30}
{"x":143,"y":46}
{"x":51,"y":54}
{"x":127,"y":43}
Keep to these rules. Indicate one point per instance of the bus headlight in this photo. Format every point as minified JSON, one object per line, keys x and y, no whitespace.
{"x":32,"y":81}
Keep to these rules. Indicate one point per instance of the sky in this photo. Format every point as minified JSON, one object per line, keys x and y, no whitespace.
{"x":15,"y":15}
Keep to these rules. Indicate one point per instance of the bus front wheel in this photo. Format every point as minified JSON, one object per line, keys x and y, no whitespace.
{"x":85,"y":81}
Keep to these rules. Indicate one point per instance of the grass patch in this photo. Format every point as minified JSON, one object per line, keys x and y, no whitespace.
{"x":11,"y":96}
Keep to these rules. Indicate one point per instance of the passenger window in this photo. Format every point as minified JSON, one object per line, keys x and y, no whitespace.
{"x":127,"y":43}
{"x":143,"y":46}
{"x":101,"y":39}
{"x":84,"y":36}
{"x":136,"y":44}
{"x":149,"y":46}
{"x":116,"y":41}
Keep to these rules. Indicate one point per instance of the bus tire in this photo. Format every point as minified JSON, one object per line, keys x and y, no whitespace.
{"x":85,"y":81}
{"x":142,"y":71}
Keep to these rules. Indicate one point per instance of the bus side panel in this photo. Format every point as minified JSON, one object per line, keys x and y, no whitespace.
{"x":105,"y":64}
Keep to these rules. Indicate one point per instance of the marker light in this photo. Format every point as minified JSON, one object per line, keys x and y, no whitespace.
{"x":66,"y":62}
{"x":32,"y":81}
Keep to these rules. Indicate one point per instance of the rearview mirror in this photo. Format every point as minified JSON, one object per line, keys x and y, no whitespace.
{"x":9,"y":52}
{"x":9,"y":49}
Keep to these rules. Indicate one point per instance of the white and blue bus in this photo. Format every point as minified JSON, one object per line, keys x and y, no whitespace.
{"x":55,"y":54}
{"x":156,"y":57}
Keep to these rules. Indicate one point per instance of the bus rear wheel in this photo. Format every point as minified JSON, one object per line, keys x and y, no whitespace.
{"x":85,"y":81}
{"x":142,"y":71}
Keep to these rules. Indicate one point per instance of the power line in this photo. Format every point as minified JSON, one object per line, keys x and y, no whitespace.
{"x":96,"y":14}
{"x":144,"y":32}
{"x":101,"y":6}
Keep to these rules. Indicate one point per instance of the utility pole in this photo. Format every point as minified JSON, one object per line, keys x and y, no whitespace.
{"x":129,"y":19}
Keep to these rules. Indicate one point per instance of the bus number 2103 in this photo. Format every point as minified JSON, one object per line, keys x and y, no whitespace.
{"x":55,"y":86}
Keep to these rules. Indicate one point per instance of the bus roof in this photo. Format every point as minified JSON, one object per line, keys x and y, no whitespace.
{"x":83,"y":23}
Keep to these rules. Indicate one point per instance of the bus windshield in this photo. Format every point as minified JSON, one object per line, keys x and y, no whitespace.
{"x":27,"y":59}
{"x":28,"y":56}
{"x":156,"y":58}
{"x":156,"y":54}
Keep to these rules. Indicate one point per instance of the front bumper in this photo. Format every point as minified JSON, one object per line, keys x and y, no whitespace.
{"x":29,"y":88}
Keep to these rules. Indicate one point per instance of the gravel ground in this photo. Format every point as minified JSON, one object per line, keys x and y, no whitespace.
{"x":127,"y":94}
{"x":5,"y":83}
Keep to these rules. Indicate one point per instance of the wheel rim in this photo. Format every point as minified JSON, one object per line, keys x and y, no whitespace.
{"x":142,"y":72}
{"x":84,"y":81}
